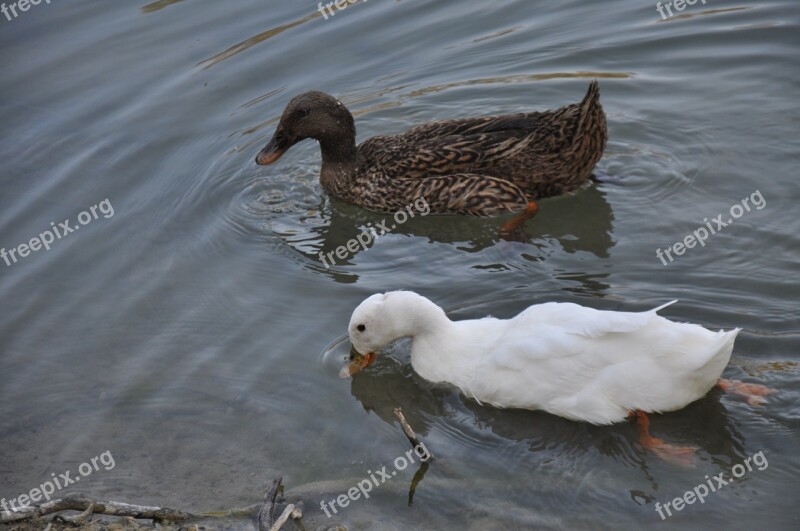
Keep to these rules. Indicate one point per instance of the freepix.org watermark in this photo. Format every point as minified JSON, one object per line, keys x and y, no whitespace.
{"x":370,"y":235}
{"x":56,"y":483}
{"x":679,"y":5}
{"x":55,"y":232}
{"x":714,"y":483}
{"x":22,"y":5}
{"x":701,"y":234}
{"x":338,"y":4}
{"x":364,"y":486}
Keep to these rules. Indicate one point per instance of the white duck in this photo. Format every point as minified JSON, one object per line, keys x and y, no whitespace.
{"x":580,"y":363}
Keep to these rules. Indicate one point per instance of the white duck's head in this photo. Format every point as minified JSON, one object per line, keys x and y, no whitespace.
{"x":381,"y":319}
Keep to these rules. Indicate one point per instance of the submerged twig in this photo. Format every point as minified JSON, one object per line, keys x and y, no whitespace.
{"x":282,"y":518}
{"x":88,"y":506}
{"x":423,"y":467}
{"x":266,"y":515}
{"x":425,"y":459}
{"x":81,"y":518}
{"x":251,"y":511}
{"x":412,"y":437}
{"x":45,"y":512}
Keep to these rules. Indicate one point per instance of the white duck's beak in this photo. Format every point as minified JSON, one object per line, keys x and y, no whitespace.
{"x":357,"y":363}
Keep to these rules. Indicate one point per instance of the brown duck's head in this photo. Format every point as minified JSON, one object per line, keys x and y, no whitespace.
{"x":310,"y":115}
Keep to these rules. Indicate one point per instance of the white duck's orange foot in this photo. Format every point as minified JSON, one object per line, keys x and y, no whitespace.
{"x":671,"y":453}
{"x":753,"y":393}
{"x":677,"y":455}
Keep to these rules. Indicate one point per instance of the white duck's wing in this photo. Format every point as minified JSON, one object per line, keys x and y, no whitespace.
{"x":584,"y":321}
{"x":597,"y":365}
{"x":554,"y":331}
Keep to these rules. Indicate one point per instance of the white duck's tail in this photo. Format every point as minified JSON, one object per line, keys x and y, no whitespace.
{"x":670,"y":303}
{"x":703,"y":350}
{"x":727,"y":339}
{"x":720,"y":351}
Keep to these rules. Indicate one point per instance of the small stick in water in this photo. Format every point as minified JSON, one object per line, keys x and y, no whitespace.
{"x":412,"y":437}
{"x":283,"y":518}
{"x":266,"y":516}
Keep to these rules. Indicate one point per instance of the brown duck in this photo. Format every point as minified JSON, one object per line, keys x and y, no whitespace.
{"x":476,"y":166}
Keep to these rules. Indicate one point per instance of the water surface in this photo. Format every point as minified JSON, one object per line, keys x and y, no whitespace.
{"x":196,"y":335}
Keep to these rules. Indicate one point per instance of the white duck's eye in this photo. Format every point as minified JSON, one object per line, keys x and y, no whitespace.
{"x":361,"y":328}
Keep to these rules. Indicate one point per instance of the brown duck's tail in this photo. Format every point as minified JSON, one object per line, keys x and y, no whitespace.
{"x":592,"y":97}
{"x":591,"y":100}
{"x":589,"y":108}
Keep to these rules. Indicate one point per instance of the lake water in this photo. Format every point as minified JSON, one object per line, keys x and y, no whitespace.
{"x":196,"y":335}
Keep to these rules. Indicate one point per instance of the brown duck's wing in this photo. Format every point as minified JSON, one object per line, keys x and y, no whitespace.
{"x":512,"y":124}
{"x":419,"y":159}
{"x":499,"y":145}
{"x":552,"y":130}
{"x":465,"y":193}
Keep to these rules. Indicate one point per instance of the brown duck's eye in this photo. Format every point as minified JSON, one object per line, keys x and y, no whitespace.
{"x":361,"y":328}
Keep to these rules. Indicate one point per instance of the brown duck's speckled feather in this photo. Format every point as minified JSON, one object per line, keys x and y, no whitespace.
{"x":477,"y":166}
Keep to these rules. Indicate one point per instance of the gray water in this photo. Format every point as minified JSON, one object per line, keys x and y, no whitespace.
{"x":196,"y":335}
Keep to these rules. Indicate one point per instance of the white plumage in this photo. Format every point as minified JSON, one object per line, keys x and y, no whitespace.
{"x":572,"y":361}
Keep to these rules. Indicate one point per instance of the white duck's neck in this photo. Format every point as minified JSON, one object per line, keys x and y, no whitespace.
{"x":432,"y":333}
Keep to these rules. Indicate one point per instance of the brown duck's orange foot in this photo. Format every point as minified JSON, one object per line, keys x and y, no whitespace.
{"x":671,"y":453}
{"x":512,"y":229}
{"x":753,"y":393}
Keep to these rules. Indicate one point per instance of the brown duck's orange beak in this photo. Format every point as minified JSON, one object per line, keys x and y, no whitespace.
{"x":270,"y":153}
{"x":357,"y":363}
